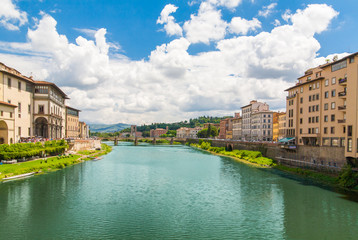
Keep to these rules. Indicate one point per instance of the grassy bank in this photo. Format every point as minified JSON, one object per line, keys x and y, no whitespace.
{"x":346,"y":179}
{"x":39,"y":166}
{"x":52,"y":163}
{"x":253,"y":157}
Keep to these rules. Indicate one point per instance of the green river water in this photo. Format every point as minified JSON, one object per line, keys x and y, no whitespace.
{"x":172,"y":192}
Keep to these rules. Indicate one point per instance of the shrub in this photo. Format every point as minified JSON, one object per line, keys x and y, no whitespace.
{"x":347,"y":178}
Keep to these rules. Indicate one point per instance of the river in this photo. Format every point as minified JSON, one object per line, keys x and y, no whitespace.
{"x":172,"y":192}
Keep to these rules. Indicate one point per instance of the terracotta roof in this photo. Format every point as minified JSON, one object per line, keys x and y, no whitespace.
{"x":8,"y":104}
{"x":13,"y":72}
{"x":54,"y":85}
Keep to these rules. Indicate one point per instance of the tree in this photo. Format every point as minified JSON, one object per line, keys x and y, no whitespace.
{"x":146,"y":134}
{"x":205,"y":133}
{"x":208,"y":132}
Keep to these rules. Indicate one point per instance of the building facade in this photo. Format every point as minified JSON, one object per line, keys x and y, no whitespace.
{"x":157,"y":132}
{"x":281,"y":125}
{"x":237,"y":129}
{"x":322,"y":106}
{"x":275,"y":127}
{"x":30,"y":108}
{"x":185,"y":132}
{"x":247,"y":112}
{"x":261,"y":126}
{"x":72,"y":122}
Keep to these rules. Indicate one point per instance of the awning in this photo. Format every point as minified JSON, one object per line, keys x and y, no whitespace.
{"x":284,"y":140}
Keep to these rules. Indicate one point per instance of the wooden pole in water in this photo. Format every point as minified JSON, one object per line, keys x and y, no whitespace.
{"x":136,"y":141}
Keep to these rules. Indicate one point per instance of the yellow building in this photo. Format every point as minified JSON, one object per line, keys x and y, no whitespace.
{"x":7,"y":123}
{"x":281,"y":125}
{"x":275,"y":127}
{"x":322,"y":106}
{"x":72,"y":122}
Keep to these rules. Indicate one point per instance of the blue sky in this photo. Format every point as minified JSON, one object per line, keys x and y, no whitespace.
{"x":162,"y":70}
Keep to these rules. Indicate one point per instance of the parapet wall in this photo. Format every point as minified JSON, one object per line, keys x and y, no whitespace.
{"x":80,"y":145}
{"x":319,"y":158}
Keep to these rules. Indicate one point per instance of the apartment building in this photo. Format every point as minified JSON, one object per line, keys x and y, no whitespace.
{"x":72,"y":122}
{"x":226,"y":127}
{"x":184,"y":132}
{"x":262,"y":126}
{"x":281,"y":125}
{"x":237,"y":129}
{"x":247,"y":112}
{"x":275,"y":127}
{"x":322,"y":106}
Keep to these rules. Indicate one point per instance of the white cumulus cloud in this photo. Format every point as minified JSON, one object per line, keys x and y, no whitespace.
{"x":170,"y":26}
{"x":173,"y":85}
{"x":242,"y":26}
{"x":10,"y":16}
{"x":267,"y":10}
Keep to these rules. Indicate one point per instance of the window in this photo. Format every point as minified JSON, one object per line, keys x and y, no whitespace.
{"x":350,"y":131}
{"x":333,"y":105}
{"x":28,"y":87}
{"x":301,"y":110}
{"x":10,"y":115}
{"x":317,"y":131}
{"x":317,"y":96}
{"x":317,"y":85}
{"x":317,"y":108}
{"x":326,"y":118}
{"x":325,"y":130}
{"x":9,"y":82}
{"x":19,"y":131}
{"x":300,"y":130}
{"x":19,"y":86}
{"x":335,"y":142}
{"x":41,"y":109}
{"x":333,"y":118}
{"x":309,"y":131}
{"x":332,"y":130}
{"x":334,"y":80}
{"x":351,"y":59}
{"x":326,"y":94}
{"x":310,"y":87}
{"x":309,"y":109}
{"x":326,"y":106}
{"x":301,"y":89}
{"x":309,"y":98}
{"x":301,"y":120}
{"x":19,"y":107}
{"x":349,"y":145}
{"x":326,"y":82}
{"x":313,"y":97}
{"x":339,"y":65}
{"x":317,"y":118}
{"x":29,"y":108}
{"x":314,"y":86}
{"x":333,"y":93}
{"x":301,"y":100}
{"x":309,"y":120}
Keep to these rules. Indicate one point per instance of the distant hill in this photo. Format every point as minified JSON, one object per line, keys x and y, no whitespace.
{"x":108,"y":128}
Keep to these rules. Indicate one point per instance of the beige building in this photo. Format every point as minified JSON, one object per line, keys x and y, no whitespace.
{"x":30,"y":108}
{"x":72,"y":122}
{"x":7,"y":123}
{"x":16,"y":89}
{"x":237,"y":129}
{"x":185,"y":132}
{"x":281,"y":125}
{"x":247,"y":112}
{"x":322,"y":106}
{"x":84,"y":130}
{"x":49,"y":110}
{"x":262,"y":126}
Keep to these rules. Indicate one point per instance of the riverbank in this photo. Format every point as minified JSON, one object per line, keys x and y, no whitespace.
{"x":44,"y":165}
{"x":255,"y":159}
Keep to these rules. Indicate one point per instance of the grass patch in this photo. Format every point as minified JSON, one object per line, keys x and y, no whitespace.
{"x":41,"y":165}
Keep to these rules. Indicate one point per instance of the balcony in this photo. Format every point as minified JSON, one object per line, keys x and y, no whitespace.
{"x":341,"y":120}
{"x":342,"y":94}
{"x":342,"y":108}
{"x":292,"y":96}
{"x":343,"y":81}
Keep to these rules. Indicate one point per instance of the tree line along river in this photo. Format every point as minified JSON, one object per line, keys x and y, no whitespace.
{"x":172,"y":192}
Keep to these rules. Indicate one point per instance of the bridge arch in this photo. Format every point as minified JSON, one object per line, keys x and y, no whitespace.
{"x":229,"y":147}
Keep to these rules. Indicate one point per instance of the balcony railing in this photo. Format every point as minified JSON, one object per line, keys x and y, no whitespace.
{"x":342,"y":107}
{"x":342,"y":80}
{"x":341,"y":120}
{"x":292,"y":96}
{"x":342,"y":94}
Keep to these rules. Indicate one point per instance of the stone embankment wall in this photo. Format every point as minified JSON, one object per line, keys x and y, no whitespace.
{"x":79,"y":145}
{"x":319,"y":158}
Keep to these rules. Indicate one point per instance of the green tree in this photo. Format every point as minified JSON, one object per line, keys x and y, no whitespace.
{"x":146,"y":134}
